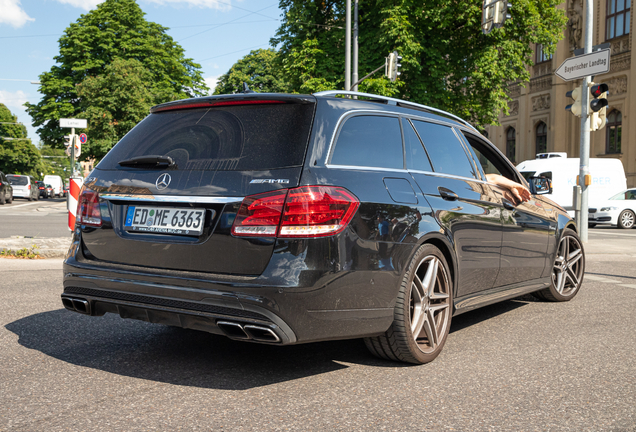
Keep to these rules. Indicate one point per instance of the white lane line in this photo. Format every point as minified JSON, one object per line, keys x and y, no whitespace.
{"x":21,"y":205}
{"x":600,"y":279}
{"x":612,"y":233}
{"x":628,"y":285}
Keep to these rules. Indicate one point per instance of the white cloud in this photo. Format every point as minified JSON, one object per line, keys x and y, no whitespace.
{"x":83,"y":4}
{"x":11,"y":13}
{"x":211,"y":82}
{"x":213,"y":4}
{"x":13,"y":101}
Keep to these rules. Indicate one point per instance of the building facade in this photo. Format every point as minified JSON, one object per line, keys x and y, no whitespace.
{"x":538,"y":122}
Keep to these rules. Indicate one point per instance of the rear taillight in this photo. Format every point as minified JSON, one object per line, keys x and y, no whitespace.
{"x":88,"y":212}
{"x":29,"y":187}
{"x":309,"y":211}
{"x":259,"y":215}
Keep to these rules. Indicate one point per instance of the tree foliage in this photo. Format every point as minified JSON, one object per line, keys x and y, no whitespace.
{"x":17,"y":155}
{"x":115,"y":29}
{"x":447,"y":62}
{"x":259,"y":69}
{"x":113,"y":103}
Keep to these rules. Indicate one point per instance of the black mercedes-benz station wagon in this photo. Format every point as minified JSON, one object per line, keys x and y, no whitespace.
{"x":286,"y":219}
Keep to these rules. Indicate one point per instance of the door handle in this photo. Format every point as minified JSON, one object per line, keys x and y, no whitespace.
{"x":447,"y":194}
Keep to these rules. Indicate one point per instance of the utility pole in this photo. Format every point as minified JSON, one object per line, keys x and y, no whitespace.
{"x":348,"y":47}
{"x":355,"y":46}
{"x":584,"y":152}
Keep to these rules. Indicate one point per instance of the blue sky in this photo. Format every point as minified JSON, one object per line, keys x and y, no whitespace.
{"x":215,"y":33}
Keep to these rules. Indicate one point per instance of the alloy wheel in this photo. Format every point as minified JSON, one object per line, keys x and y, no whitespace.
{"x":567,"y":273}
{"x":429,"y":304}
{"x":627,"y":219}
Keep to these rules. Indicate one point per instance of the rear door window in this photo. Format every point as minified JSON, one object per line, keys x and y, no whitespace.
{"x":416,"y":157}
{"x":18,"y":180}
{"x":232,"y":138}
{"x":446,"y":152}
{"x":369,"y":141}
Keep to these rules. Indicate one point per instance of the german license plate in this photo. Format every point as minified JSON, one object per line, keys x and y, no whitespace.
{"x":163,"y":220}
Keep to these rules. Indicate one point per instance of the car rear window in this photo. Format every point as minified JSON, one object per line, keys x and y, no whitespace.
{"x":235,"y":138}
{"x":18,"y":180}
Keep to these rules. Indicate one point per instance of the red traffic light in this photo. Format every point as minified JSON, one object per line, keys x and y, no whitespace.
{"x":598,"y":89}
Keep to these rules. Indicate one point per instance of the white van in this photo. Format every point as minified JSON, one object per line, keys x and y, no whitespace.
{"x":608,"y":177}
{"x":56,"y":183}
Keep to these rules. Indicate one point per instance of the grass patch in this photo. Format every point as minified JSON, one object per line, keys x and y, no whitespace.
{"x":24,"y":253}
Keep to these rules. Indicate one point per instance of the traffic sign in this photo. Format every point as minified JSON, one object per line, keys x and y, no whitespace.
{"x":73,"y":123}
{"x":83,"y":138}
{"x":595,"y":63}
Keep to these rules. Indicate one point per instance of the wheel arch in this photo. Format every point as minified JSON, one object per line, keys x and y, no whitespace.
{"x":443,"y":244}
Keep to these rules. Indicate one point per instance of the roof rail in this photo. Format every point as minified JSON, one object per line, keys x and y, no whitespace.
{"x":395,"y":102}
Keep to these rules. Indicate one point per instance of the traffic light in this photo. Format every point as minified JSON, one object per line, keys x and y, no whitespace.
{"x":501,"y":13}
{"x":67,"y":140}
{"x":575,"y":107}
{"x":598,"y":106}
{"x":393,"y":65}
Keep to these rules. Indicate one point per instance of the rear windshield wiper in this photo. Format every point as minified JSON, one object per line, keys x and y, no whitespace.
{"x":151,"y":161}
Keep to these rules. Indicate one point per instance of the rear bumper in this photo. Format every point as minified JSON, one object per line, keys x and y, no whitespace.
{"x":323,"y":305}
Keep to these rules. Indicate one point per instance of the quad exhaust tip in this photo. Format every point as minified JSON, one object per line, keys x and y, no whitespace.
{"x":77,"y":305}
{"x":239,"y":331}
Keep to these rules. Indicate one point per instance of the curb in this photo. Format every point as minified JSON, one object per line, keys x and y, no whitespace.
{"x":47,"y":247}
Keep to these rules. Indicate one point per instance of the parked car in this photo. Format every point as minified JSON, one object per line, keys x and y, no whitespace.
{"x":43,"y":193}
{"x":6,"y":190}
{"x":24,"y":186}
{"x":284,"y":219}
{"x":619,"y":210}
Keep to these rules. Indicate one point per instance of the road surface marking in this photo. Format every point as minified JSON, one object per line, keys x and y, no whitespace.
{"x":600,"y":279}
{"x":628,"y":285}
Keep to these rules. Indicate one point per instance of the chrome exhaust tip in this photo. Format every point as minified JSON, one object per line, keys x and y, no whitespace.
{"x":233,"y":330}
{"x":77,"y":305}
{"x":261,"y":334}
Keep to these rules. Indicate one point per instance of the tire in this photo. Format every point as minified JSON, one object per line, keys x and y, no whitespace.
{"x":422,"y":314}
{"x":591,"y":225}
{"x":3,"y":199}
{"x":567,"y":271}
{"x":626,"y":219}
{"x":9,"y":200}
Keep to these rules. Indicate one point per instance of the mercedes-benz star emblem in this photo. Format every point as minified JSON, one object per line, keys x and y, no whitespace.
{"x":163,"y":181}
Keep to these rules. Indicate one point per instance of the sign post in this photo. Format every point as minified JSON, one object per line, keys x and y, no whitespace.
{"x":75,"y":182}
{"x":585,"y":66}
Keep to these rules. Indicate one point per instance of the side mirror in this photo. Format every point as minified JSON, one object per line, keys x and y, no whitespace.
{"x":540,"y":185}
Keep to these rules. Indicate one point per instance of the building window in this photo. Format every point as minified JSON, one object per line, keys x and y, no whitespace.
{"x":614,"y":126}
{"x":541,"y":55}
{"x":511,"y":137}
{"x":617,"y":23}
{"x":542,"y":138}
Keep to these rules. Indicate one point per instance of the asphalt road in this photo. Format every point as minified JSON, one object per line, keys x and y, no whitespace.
{"x":522,"y":365}
{"x":46,"y":218}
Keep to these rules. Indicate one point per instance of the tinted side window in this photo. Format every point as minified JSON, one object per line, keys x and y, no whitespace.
{"x":445,"y":150}
{"x":490,"y":161}
{"x":372,"y":141}
{"x":416,"y":157}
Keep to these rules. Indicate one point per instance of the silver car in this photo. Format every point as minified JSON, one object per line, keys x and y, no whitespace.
{"x":24,"y":186}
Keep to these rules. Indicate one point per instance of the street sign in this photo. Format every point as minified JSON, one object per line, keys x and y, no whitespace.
{"x":595,"y":63}
{"x":83,"y":138}
{"x":73,"y":123}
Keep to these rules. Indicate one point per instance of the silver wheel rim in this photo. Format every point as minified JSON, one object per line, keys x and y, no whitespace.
{"x":627,"y":219}
{"x":568,"y":266}
{"x":430,"y":304}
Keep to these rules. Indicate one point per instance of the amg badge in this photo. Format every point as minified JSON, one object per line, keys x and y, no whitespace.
{"x":277,"y":181}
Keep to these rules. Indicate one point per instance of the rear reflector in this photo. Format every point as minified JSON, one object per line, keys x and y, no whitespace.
{"x":88,"y":212}
{"x":309,"y":211}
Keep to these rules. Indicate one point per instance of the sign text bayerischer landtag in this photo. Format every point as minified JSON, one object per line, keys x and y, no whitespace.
{"x":595,"y":63}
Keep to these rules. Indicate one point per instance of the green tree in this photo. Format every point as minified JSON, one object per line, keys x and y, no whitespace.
{"x":259,"y":69}
{"x":447,"y":62}
{"x":115,"y":29}
{"x":113,"y":103}
{"x":17,"y":154}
